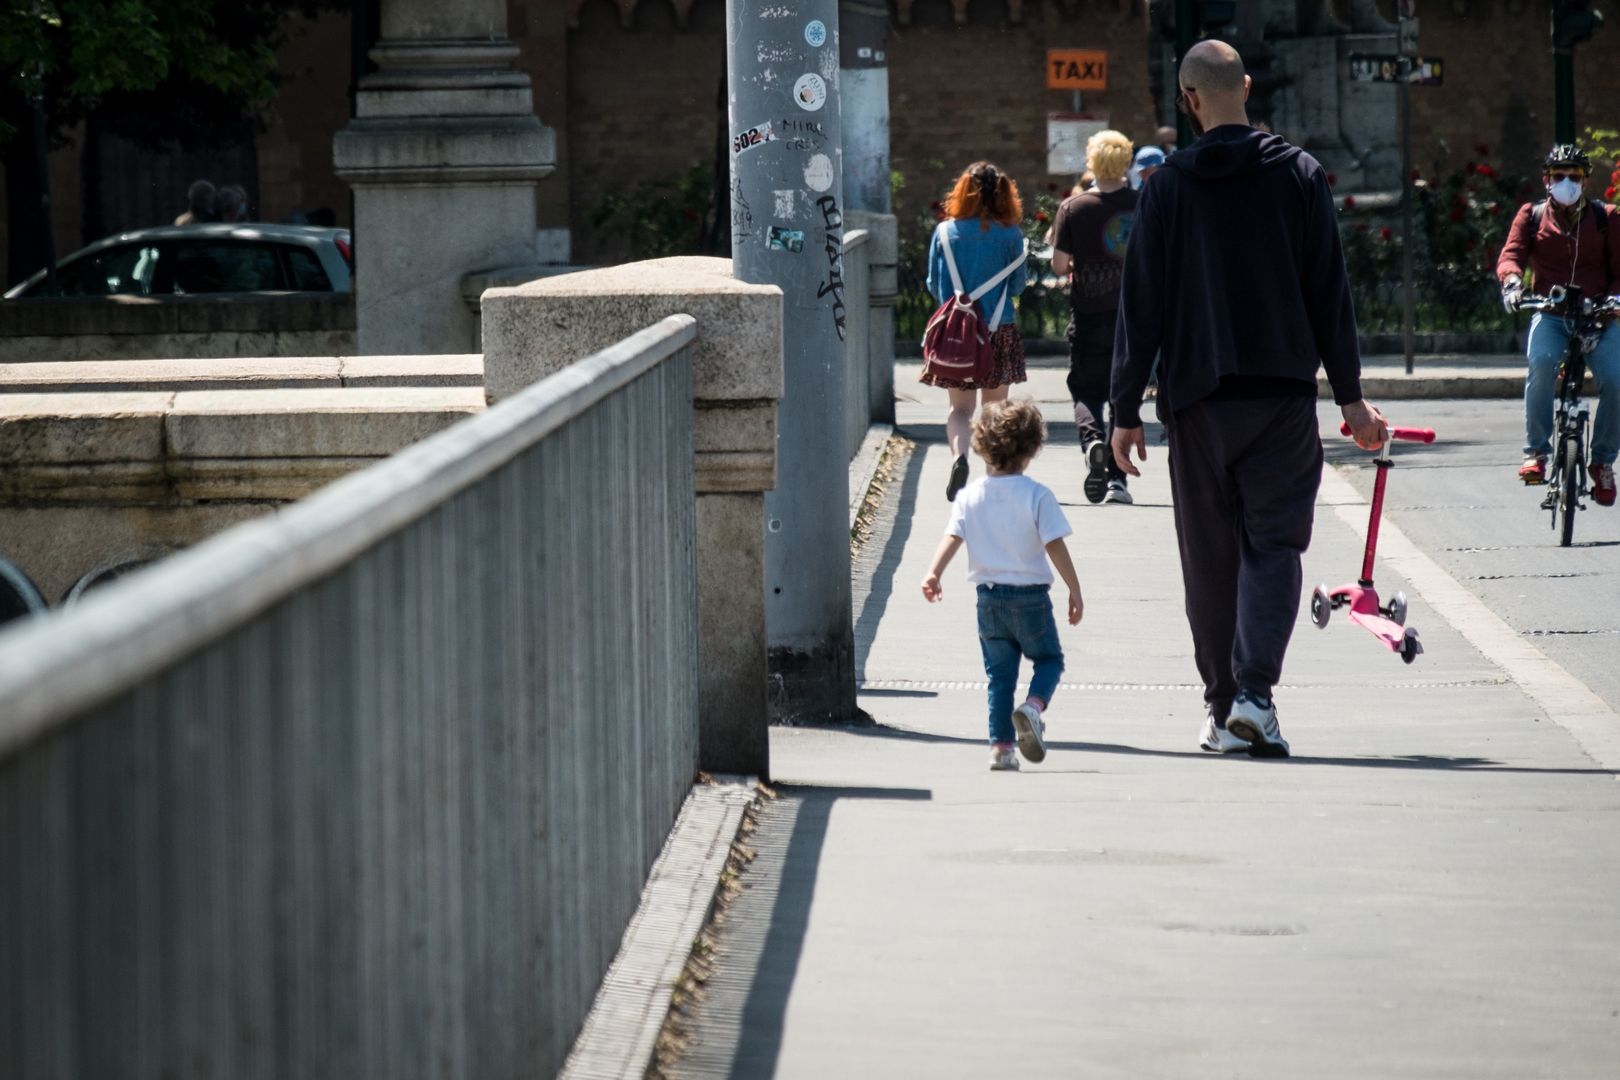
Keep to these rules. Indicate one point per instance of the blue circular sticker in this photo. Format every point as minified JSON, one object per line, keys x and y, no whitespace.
{"x":816,"y":33}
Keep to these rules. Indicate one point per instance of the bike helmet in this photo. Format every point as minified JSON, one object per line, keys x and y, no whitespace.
{"x":1567,"y":156}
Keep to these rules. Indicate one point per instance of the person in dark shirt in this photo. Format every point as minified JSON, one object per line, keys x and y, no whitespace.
{"x":1089,"y":239}
{"x":1235,"y":279}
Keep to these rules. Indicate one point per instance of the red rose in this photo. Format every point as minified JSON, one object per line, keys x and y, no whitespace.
{"x":1067,"y":192}
{"x":1349,"y":202}
{"x":1387,"y":233}
{"x":1333,"y":179}
{"x":1487,"y":172}
{"x":1040,"y":215}
{"x":1608,"y":193}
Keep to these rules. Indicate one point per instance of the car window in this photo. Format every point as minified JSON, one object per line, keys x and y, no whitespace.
{"x":126,"y":270}
{"x":217,"y":266}
{"x":305,"y":269}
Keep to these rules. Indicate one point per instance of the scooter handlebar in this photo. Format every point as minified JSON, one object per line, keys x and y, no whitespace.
{"x":1405,"y":434}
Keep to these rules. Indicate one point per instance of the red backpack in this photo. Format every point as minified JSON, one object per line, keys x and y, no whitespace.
{"x":956,"y":344}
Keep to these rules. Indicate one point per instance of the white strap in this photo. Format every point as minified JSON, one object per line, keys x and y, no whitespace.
{"x":950,"y":260}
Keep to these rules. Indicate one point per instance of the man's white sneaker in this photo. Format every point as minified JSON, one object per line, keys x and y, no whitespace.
{"x":1255,"y":722}
{"x":1003,"y":757}
{"x":1217,"y":740}
{"x":1031,"y":731}
{"x":1118,"y":493}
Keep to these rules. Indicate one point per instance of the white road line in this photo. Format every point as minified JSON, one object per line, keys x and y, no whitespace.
{"x":1565,"y":699}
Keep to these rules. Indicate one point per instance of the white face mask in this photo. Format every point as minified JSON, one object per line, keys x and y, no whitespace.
{"x":1565,"y":192}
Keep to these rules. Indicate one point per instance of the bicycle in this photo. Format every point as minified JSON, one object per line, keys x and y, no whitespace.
{"x":1566,"y":478}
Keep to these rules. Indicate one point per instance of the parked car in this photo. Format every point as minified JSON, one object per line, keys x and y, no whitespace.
{"x":187,"y":260}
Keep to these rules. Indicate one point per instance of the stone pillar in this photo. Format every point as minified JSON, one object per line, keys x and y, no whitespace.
{"x":443,"y":154}
{"x":884,"y":258}
{"x":535,"y":329}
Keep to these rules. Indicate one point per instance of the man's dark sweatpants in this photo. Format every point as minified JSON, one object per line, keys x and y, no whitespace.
{"x":1091,"y":357}
{"x":1243,"y":474}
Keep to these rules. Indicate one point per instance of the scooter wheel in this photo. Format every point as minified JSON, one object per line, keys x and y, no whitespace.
{"x":1410,"y":646}
{"x":1321,"y":606}
{"x":1397,"y":608}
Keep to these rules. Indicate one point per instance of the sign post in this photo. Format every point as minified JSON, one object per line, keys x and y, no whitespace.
{"x":787,"y":230}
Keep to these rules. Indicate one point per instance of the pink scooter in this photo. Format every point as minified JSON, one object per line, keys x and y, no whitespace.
{"x":1387,"y":623}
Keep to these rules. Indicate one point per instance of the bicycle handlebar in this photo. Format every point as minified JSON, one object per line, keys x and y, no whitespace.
{"x":1557,"y":305}
{"x":1405,"y":434}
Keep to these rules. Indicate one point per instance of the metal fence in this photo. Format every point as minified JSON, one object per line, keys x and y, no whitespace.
{"x":368,"y":789}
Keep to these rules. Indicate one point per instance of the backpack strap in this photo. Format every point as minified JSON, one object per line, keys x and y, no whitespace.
{"x":950,"y":260}
{"x":1538,"y":213}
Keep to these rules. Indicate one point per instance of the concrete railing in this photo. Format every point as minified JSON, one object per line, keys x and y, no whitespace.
{"x":857,"y":338}
{"x":176,"y":327}
{"x":368,"y":788}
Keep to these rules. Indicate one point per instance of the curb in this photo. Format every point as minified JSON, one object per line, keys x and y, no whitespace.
{"x":864,"y":465}
{"x":620,"y":1034}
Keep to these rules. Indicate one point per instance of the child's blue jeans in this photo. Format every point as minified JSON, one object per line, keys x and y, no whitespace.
{"x":1016,"y":621}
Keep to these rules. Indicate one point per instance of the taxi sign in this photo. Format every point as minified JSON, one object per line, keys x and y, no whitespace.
{"x":1076,"y":69}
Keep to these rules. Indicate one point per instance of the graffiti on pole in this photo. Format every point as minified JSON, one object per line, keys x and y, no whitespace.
{"x":832,"y":221}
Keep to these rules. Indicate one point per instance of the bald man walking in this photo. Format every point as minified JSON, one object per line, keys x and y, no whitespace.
{"x":1235,"y":279}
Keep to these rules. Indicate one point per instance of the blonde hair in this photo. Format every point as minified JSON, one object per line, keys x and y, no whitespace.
{"x":1007,"y":433}
{"x":1108,"y":155}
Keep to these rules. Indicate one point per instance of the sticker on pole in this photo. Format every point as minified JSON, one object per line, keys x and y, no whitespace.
{"x":810,"y":92}
{"x":815,"y":33}
{"x":758,"y":135}
{"x":818,"y":175}
{"x":788,"y":240}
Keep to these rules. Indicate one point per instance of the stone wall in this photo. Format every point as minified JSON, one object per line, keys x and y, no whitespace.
{"x":176,"y":327}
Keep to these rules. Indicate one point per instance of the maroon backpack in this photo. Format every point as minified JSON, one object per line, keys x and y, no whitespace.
{"x":956,"y":344}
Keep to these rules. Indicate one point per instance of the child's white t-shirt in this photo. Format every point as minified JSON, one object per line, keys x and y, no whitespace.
{"x":1006,"y":522}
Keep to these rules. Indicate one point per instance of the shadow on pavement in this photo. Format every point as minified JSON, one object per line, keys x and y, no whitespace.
{"x":1412,"y":761}
{"x":881,"y":584}
{"x":782,"y":881}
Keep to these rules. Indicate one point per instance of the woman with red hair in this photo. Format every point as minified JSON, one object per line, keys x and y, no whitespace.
{"x":983,"y":213}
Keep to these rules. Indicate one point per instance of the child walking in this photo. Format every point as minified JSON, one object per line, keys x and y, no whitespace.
{"x":1012,"y":525}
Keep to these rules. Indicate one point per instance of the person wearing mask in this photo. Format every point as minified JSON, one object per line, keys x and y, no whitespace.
{"x":1089,"y":238}
{"x":1235,"y":279}
{"x":1565,"y":239}
{"x":982,"y":217}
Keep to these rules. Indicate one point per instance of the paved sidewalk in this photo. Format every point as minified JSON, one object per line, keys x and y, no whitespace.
{"x":1429,"y":888}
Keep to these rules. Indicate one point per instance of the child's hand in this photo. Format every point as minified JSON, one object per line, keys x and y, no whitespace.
{"x":931,"y":589}
{"x":1077,"y":609}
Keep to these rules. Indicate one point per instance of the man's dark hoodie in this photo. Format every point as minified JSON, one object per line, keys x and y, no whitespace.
{"x":1235,"y":279}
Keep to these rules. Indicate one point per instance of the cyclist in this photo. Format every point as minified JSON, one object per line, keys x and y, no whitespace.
{"x":1565,"y":239}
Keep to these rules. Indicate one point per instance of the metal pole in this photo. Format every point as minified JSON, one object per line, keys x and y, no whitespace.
{"x":787,"y":228}
{"x":42,"y":160}
{"x":864,"y":104}
{"x":1404,"y":91}
{"x":1186,"y":35}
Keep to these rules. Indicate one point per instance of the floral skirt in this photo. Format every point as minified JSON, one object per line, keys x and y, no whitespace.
{"x":1007,"y":368}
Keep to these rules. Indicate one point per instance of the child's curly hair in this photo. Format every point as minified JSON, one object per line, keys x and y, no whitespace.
{"x":1008,"y":432}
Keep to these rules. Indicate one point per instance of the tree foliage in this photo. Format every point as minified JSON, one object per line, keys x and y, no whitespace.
{"x":160,"y":70}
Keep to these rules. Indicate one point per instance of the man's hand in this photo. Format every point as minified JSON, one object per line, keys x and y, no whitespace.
{"x":1077,"y":608}
{"x":1512,"y":290}
{"x":932,"y":592}
{"x":1123,"y":440}
{"x":1367,"y":425}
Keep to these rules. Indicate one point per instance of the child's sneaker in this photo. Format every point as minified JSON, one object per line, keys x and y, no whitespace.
{"x":1031,"y":729}
{"x":1003,"y":757}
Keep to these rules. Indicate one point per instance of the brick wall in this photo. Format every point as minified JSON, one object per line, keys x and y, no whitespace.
{"x":1498,"y":85}
{"x":961,"y":93}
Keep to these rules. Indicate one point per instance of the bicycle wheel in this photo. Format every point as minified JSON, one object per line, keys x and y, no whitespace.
{"x":1569,"y":490}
